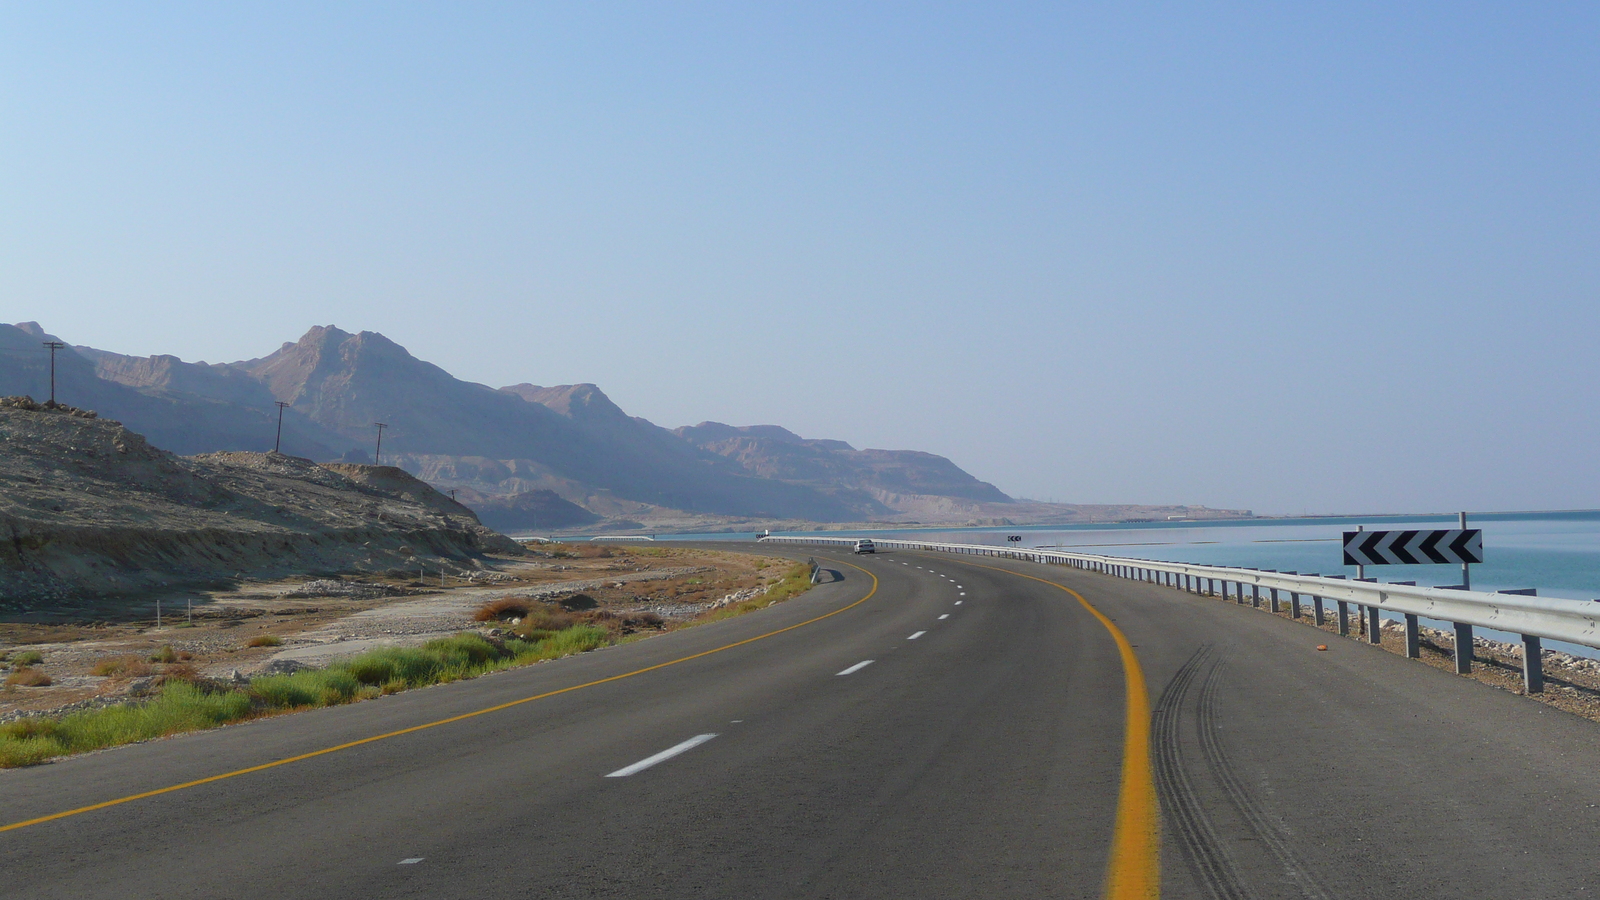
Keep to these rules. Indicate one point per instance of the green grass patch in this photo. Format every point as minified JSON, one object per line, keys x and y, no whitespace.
{"x":184,"y":705}
{"x":793,"y":583}
{"x":25,"y":658}
{"x":180,"y":707}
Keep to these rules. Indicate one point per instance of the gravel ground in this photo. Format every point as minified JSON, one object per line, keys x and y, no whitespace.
{"x":318,"y":620}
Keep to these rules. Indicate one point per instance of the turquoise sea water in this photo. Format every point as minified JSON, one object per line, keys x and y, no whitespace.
{"x":1556,"y":552}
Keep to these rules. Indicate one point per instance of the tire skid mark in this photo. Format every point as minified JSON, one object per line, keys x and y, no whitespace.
{"x":1270,"y":832}
{"x":1197,"y":838}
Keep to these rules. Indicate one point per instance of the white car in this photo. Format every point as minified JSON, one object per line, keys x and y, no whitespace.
{"x":865,"y":547}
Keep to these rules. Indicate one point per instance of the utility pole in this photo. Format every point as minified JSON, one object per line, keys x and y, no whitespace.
{"x":278,"y":441}
{"x":54,"y":346}
{"x":377,"y":457}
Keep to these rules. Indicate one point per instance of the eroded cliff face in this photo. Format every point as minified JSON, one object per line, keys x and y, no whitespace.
{"x":89,"y":507}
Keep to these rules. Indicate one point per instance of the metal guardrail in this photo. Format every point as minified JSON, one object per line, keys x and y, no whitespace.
{"x":1521,"y":613}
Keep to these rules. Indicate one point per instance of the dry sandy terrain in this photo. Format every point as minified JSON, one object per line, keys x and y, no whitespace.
{"x":317,"y":620}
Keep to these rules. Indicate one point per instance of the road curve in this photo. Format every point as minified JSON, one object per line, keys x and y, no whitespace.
{"x":961,"y":732}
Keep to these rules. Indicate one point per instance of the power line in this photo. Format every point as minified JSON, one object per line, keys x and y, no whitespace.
{"x":54,"y":346}
{"x":278,"y":441}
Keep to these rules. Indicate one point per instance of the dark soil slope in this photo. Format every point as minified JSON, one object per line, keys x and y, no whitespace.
{"x":90,"y":507}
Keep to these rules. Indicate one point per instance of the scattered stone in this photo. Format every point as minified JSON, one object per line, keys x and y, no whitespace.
{"x":284,"y":667}
{"x":143,"y":687}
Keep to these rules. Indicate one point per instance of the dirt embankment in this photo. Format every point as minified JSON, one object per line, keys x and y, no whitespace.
{"x":90,"y":509}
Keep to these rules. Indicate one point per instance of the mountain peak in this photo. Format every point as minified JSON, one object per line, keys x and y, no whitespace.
{"x":717,"y":431}
{"x":32,"y":329}
{"x":575,"y":401}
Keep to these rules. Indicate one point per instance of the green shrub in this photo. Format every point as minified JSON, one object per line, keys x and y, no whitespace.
{"x":25,"y":658}
{"x":164,"y":655}
{"x":542,"y":622}
{"x":310,"y":688}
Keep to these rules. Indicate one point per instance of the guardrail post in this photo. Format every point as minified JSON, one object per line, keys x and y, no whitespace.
{"x":1374,"y":626}
{"x":1413,"y":637}
{"x":1532,"y":664}
{"x":1463,"y":648}
{"x":1316,"y":609}
{"x":1294,"y":605}
{"x":1272,"y":602}
{"x":1255,"y":595}
{"x":1344,"y":617}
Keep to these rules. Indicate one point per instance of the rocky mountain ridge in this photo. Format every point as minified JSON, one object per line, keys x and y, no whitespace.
{"x":504,"y":446}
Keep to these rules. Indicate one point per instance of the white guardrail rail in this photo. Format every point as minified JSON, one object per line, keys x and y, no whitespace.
{"x":1531,"y":617}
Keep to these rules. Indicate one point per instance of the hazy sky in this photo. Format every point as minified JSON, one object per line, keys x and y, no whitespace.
{"x":1290,"y":257}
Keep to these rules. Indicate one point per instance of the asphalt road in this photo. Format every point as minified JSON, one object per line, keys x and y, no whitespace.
{"x":979,"y":754}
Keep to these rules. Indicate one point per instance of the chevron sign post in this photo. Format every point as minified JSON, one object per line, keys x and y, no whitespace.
{"x":1394,"y":548}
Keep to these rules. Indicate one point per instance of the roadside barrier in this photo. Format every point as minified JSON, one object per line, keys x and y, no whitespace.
{"x":1522,"y":612}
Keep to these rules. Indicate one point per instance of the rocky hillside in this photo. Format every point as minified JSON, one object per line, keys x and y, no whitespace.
{"x":512,"y":452}
{"x":90,"y":506}
{"x":184,"y":407}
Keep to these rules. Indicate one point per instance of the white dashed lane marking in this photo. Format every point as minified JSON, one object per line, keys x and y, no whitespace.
{"x":410,"y":862}
{"x":661,"y":757}
{"x":917,"y":635}
{"x":857,"y":667}
{"x":945,"y":616}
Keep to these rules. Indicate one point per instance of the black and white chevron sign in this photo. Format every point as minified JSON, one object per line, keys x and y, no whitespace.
{"x":1391,"y":548}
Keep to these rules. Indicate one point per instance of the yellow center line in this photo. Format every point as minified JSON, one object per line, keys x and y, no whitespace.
{"x":415,"y":728}
{"x":1134,"y":869}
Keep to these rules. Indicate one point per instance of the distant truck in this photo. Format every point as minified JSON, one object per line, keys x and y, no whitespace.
{"x":865,"y":547}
